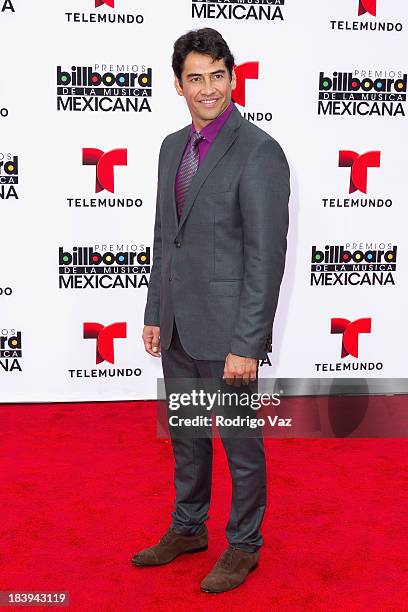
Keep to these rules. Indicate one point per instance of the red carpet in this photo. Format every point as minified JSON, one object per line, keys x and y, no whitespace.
{"x":86,"y":485}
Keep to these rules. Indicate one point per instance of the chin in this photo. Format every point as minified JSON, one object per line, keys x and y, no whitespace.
{"x":211,"y":113}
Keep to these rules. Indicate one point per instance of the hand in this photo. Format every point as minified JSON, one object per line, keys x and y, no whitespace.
{"x":151,"y":339}
{"x":239,"y":370}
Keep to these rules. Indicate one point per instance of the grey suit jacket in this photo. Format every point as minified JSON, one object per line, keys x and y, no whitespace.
{"x":219,"y":270}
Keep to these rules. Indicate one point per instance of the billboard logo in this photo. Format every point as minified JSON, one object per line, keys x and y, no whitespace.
{"x":363,"y":93}
{"x":350,"y":331}
{"x":359,"y":165}
{"x":8,"y":169}
{"x":10,"y":350}
{"x":105,"y":266}
{"x":104,"y":87}
{"x":353,"y":264}
{"x":105,"y":336}
{"x":105,"y":163}
{"x":8,"y":176}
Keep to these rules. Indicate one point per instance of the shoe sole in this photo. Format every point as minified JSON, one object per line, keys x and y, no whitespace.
{"x":183,"y":552}
{"x":253,"y":568}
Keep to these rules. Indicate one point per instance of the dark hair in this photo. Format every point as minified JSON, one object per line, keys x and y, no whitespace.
{"x":205,"y":40}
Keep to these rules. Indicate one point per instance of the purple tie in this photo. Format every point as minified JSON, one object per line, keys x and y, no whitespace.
{"x":187,"y":170}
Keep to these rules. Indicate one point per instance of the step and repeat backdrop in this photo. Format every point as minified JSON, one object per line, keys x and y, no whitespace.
{"x":86,"y":98}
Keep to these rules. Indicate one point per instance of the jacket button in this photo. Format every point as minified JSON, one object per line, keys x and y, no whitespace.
{"x":177,"y":243}
{"x":170,"y":278}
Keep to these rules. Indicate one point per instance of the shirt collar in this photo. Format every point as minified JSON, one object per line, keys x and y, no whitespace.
{"x":210,"y":131}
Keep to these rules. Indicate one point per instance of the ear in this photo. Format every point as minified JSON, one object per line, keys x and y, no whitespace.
{"x":178,"y":87}
{"x":233,"y":79}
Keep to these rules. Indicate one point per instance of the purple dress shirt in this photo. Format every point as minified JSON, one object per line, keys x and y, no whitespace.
{"x":209,"y":132}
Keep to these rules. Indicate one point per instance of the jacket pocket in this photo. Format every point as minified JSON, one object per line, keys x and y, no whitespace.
{"x":215,"y":191}
{"x":225,"y":287}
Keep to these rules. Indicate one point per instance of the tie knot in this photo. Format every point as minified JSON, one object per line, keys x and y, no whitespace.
{"x":195,"y":138}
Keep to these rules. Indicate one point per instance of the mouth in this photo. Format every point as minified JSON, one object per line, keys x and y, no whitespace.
{"x":210,"y":102}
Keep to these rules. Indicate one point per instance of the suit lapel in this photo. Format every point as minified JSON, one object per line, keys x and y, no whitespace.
{"x":223,"y":141}
{"x":179,"y":147}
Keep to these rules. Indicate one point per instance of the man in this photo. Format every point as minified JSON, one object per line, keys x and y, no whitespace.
{"x":218,"y":260}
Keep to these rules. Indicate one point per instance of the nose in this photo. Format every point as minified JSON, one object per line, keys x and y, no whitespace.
{"x":208,"y":86}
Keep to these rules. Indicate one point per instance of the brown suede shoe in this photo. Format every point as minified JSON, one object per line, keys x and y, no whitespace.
{"x":230,"y":570}
{"x":171,"y":546}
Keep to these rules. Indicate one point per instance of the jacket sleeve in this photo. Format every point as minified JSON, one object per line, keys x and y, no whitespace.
{"x":152,"y":309}
{"x":264,"y":190}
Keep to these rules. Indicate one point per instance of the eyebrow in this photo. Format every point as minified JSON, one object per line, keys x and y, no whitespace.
{"x":220,"y":71}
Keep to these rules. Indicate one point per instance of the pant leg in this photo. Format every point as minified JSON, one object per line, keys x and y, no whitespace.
{"x":192,"y":456}
{"x":246,"y":460}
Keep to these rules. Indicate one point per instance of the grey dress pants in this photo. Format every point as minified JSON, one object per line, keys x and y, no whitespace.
{"x":193,"y":463}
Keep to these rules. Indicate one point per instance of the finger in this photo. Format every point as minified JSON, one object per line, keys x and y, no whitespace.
{"x":237,"y":381}
{"x":151,"y":349}
{"x":156,"y":341}
{"x":156,"y":345}
{"x":153,"y":354}
{"x":147,"y":343}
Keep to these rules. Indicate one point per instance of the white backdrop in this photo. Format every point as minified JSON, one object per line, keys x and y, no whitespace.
{"x":56,"y":362}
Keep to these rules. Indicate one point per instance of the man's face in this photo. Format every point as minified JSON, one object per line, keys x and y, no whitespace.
{"x":206,"y":86}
